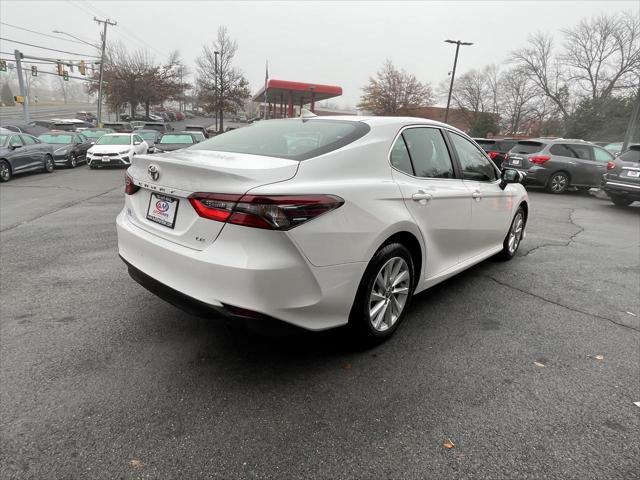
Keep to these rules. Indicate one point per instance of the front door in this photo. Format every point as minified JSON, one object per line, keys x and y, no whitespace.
{"x":435,"y":196}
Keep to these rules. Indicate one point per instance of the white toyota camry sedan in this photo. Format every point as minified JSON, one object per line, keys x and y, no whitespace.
{"x":317,"y":222}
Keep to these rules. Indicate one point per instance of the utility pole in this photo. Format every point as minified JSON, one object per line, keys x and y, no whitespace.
{"x":453,"y":74}
{"x":633,"y":129}
{"x":23,"y":90}
{"x":215,"y":84}
{"x":106,"y":23}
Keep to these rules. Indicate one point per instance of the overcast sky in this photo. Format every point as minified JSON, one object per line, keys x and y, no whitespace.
{"x":339,"y":43}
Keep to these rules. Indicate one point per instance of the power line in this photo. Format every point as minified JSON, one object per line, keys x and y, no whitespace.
{"x":47,"y":48}
{"x":39,"y":33}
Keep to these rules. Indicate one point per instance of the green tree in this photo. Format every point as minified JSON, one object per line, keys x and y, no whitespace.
{"x":602,"y":119}
{"x":484,"y":123}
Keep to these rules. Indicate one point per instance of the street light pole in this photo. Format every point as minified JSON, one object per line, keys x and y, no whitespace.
{"x":215,"y":83}
{"x":453,"y":73}
{"x":106,"y":23}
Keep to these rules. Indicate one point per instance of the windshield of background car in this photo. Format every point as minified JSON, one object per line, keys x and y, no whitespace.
{"x":48,"y":138}
{"x":181,"y":139}
{"x":95,"y":133}
{"x":295,"y":139}
{"x":148,"y":135}
{"x":114,"y":140}
{"x":527,"y":147}
{"x":3,"y":139}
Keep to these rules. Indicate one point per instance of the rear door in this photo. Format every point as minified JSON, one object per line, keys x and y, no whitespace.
{"x":434,"y":195}
{"x":34,"y":153}
{"x":491,"y":206}
{"x":587,"y":168}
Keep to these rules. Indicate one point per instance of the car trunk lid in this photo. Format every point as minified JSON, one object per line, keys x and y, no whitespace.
{"x":518,"y":156}
{"x":165,"y":197}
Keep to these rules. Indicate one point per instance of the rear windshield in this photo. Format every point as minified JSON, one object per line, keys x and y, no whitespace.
{"x":182,"y":139}
{"x":47,"y":138}
{"x":485,"y":143}
{"x":295,"y":139}
{"x":148,"y":135}
{"x":526,"y":146}
{"x":114,"y":140}
{"x":632,"y":155}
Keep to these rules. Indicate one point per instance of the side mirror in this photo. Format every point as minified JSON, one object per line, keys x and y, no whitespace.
{"x":136,"y":143}
{"x":510,"y":176}
{"x":13,"y":147}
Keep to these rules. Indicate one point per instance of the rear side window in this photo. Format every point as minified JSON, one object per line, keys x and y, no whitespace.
{"x":562,"y":150}
{"x":428,"y":153}
{"x":526,"y":147}
{"x":475,"y":165}
{"x":295,"y":139}
{"x":581,"y":151}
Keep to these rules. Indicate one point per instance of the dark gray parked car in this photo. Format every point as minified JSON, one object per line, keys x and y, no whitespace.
{"x":20,"y":153}
{"x":559,"y":163}
{"x":622,"y":180}
{"x":69,"y":148}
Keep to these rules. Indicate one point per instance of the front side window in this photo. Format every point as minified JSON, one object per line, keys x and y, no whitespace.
{"x":475,"y":166}
{"x":428,"y":152}
{"x":15,"y":141}
{"x":601,"y":155}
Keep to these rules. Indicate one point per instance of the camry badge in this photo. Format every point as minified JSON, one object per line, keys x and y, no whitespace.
{"x":154,"y":172}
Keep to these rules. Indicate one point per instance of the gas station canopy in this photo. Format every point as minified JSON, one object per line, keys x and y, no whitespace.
{"x":284,"y":92}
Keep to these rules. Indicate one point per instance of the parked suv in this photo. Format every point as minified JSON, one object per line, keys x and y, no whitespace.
{"x":496,"y":148}
{"x":622,"y":180}
{"x":560,"y":163}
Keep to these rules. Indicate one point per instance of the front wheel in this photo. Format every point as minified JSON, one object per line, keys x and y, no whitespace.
{"x":514,"y":236}
{"x":48,"y":164}
{"x":384,"y":294}
{"x":73,"y":160}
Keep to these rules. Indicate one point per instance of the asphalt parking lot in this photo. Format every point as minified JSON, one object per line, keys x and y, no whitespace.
{"x":531,"y":367}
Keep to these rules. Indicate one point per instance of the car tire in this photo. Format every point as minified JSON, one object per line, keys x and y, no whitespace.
{"x":73,"y":160}
{"x":384,"y":295}
{"x":5,"y":171}
{"x":620,"y":201}
{"x":514,"y":236}
{"x":558,"y":182}
{"x":49,"y":165}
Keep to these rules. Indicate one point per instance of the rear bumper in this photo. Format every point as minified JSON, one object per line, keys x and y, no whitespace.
{"x":623,"y":189}
{"x":257,"y":270}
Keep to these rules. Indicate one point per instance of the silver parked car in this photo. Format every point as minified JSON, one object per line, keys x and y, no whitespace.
{"x":559,"y":163}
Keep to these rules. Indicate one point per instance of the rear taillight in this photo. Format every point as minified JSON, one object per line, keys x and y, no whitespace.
{"x":611,"y":165}
{"x":129,"y":187}
{"x":539,"y":159}
{"x":272,"y":212}
{"x":493,"y":154}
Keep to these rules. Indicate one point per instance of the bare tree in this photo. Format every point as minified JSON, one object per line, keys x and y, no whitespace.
{"x":537,"y":62}
{"x":222,"y":87}
{"x":391,"y":91}
{"x":516,"y":97}
{"x":603,"y":53}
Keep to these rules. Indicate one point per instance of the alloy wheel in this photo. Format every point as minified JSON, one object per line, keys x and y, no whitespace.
{"x":389,"y":294}
{"x":48,"y":164}
{"x":559,"y":183}
{"x":5,"y":173}
{"x":515,"y":234}
{"x":73,"y":160}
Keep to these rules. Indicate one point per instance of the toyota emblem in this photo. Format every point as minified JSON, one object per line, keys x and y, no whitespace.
{"x":154,"y":172}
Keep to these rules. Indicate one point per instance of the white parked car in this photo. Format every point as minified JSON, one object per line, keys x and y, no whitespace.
{"x":317,"y":222}
{"x":115,"y":149}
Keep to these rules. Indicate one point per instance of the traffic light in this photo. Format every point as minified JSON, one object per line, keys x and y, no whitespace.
{"x":3,"y":65}
{"x":82,"y":68}
{"x":34,"y":71}
{"x":60,"y":68}
{"x":65,"y":76}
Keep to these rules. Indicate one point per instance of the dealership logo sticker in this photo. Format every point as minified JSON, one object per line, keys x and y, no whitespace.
{"x":154,"y":172}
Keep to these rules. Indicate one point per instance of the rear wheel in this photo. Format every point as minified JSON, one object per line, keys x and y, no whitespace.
{"x":48,"y":164}
{"x":5,"y":171}
{"x":384,"y":294}
{"x":620,"y":201}
{"x":73,"y":160}
{"x":514,"y":236}
{"x":558,"y":182}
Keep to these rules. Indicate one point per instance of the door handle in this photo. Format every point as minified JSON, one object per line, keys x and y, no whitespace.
{"x":476,"y":195}
{"x":422,"y":197}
